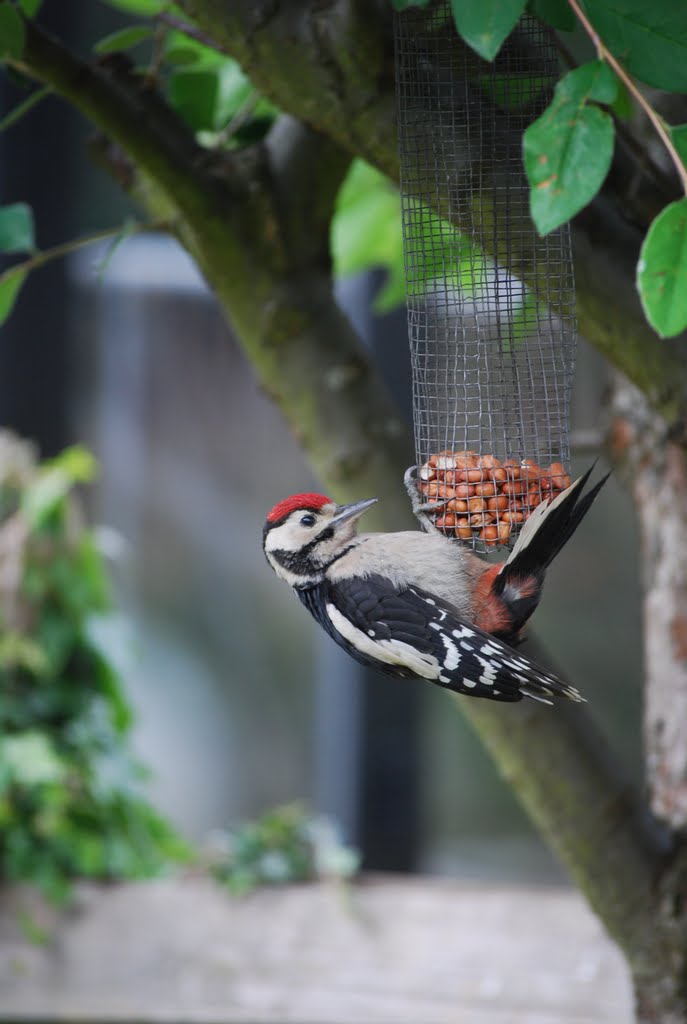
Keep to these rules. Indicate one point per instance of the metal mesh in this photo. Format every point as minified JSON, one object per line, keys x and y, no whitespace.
{"x":490,"y":303}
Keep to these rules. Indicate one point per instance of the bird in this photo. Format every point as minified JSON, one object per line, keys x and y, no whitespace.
{"x":417,"y":605}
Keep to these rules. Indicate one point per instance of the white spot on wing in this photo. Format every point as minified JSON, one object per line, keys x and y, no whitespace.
{"x":452,"y":659}
{"x":463,"y":631}
{"x":470,"y":683}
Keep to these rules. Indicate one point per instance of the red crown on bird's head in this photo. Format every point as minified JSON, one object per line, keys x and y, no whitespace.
{"x":312,"y":502}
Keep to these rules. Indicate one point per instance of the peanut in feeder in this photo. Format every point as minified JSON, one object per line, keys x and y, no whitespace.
{"x":490,"y":304}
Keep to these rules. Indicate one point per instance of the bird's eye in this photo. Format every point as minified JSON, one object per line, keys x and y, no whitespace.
{"x":308,"y":520}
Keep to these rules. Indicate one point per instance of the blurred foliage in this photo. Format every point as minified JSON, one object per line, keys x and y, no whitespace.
{"x":69,"y":804}
{"x":366,"y":232}
{"x":287,"y":844}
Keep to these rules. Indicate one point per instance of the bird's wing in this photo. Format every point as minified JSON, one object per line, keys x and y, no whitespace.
{"x":409,"y":632}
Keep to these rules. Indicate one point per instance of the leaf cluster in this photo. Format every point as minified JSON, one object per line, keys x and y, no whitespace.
{"x":69,"y":801}
{"x":568,"y":150}
{"x":287,"y":844}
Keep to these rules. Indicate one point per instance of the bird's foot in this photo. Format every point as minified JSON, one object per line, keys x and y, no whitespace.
{"x":422,"y":510}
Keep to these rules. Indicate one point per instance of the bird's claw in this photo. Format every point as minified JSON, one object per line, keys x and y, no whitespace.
{"x":422,"y":510}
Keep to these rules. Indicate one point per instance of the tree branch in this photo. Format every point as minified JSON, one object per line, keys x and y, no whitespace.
{"x":576,"y":793}
{"x":233,"y":220}
{"x":331,"y":65}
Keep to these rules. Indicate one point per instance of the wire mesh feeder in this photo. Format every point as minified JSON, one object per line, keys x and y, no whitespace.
{"x":490,"y":304}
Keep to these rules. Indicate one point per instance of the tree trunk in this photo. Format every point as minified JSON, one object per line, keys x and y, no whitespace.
{"x":656,"y":472}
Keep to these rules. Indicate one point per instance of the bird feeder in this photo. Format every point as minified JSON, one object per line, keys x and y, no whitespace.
{"x":491,"y":315}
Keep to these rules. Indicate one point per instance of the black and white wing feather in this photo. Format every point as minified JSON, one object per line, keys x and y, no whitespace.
{"x":411,"y":634}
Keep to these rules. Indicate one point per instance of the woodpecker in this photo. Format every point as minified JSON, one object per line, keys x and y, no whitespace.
{"x":418,"y":605}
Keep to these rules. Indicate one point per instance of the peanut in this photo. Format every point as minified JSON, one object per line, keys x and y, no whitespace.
{"x":504,"y":532}
{"x":463,"y":529}
{"x":480,"y":495}
{"x":529,"y":470}
{"x":435,"y":489}
{"x":477,"y":505}
{"x":490,"y":535}
{"x":457,"y":505}
{"x":487,"y":489}
{"x":515,"y":488}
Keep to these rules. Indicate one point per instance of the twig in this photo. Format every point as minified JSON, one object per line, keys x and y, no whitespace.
{"x":605,"y":54}
{"x":39,"y":259}
{"x":190,"y":30}
{"x":241,"y":117}
{"x":24,"y":107}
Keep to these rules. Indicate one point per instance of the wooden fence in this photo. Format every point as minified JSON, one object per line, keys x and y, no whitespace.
{"x":382,"y":951}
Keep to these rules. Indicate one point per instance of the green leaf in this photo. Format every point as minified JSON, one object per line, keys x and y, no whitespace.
{"x":124,"y":39}
{"x":402,"y":5}
{"x":204,"y":56}
{"x":484,"y":24}
{"x":556,"y":13}
{"x":678,"y":133}
{"x":366,"y":232}
{"x":592,"y":81}
{"x":17,"y":650}
{"x":208,"y":97}
{"x":76,"y":462}
{"x":31,"y":758}
{"x":146,"y":8}
{"x":511,"y":92}
{"x":10,"y":283}
{"x":623,"y":105}
{"x":54,"y":481}
{"x":194,"y":94}
{"x":30,"y":7}
{"x":12,"y":33}
{"x":649,"y":37}
{"x":16,"y":228}
{"x":568,"y":150}
{"x":126,"y":231}
{"x":662,"y":271}
{"x":181,"y":55}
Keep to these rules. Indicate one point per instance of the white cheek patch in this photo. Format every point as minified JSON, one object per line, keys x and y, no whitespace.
{"x":390,"y":652}
{"x":286,"y":537}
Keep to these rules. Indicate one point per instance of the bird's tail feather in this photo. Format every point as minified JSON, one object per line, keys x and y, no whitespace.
{"x":550,"y":527}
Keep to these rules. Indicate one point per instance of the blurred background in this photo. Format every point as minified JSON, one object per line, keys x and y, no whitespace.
{"x":241,"y":702}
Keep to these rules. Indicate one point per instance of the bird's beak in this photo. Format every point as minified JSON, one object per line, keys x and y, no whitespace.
{"x":347,"y":513}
